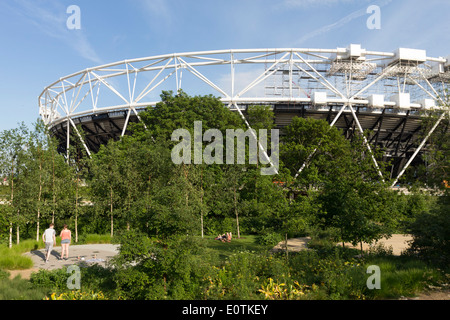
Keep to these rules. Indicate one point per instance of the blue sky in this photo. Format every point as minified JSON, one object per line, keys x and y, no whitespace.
{"x":37,"y":48}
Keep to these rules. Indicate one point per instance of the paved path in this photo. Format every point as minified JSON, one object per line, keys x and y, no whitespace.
{"x":86,"y":253}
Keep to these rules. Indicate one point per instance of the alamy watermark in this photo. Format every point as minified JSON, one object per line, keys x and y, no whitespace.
{"x":374,"y":21}
{"x":374,"y":281}
{"x":213,"y":153}
{"x":74,"y":20}
{"x":74,"y":280}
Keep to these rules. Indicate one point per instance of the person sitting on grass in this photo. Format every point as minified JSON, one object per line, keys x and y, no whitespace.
{"x":226,"y":237}
{"x":220,"y":237}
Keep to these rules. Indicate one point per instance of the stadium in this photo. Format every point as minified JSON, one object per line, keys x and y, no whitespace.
{"x":352,"y":88}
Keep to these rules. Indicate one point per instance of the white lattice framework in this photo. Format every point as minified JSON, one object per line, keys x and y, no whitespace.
{"x":342,"y":76}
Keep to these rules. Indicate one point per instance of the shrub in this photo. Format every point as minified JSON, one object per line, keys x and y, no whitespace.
{"x":431,"y":234}
{"x":243,"y":275}
{"x":54,"y":279}
{"x":269,"y":239}
{"x":336,"y":277}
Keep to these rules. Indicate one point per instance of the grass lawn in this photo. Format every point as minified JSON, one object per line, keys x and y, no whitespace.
{"x":225,"y":249}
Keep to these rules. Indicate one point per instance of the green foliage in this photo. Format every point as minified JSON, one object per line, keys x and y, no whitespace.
{"x":180,"y":111}
{"x":95,"y":238}
{"x":165,"y":216}
{"x":402,"y":276}
{"x":327,"y":145}
{"x":153,"y":269}
{"x":431,"y":233}
{"x":19,"y":289}
{"x":93,"y":279}
{"x":52,"y":280}
{"x":242,"y":275}
{"x":12,"y":258}
{"x":261,"y":117}
{"x":269,"y":238}
{"x":433,"y":170}
{"x":40,"y":184}
{"x":223,"y":250}
{"x":15,"y":262}
{"x":336,"y":275}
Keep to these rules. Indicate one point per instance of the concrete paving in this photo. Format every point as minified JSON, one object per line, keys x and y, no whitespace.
{"x":78,"y":254}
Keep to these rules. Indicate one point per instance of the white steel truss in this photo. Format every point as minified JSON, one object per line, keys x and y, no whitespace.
{"x":341,"y":77}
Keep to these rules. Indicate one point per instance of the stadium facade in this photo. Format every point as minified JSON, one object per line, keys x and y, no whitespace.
{"x":352,"y":88}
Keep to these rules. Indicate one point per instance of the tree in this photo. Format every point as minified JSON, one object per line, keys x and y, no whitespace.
{"x":315,"y":147}
{"x":230,"y":188}
{"x":104,"y":180}
{"x":351,"y":194}
{"x":356,"y":202}
{"x":12,"y":146}
{"x":37,"y":175}
{"x":431,"y":232}
{"x":181,"y":110}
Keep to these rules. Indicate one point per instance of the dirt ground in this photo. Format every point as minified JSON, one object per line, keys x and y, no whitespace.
{"x":432,"y":295}
{"x":24,"y":274}
{"x":398,"y":243}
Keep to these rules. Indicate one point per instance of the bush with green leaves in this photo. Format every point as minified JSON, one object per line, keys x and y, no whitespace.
{"x":52,"y":279}
{"x":243,"y":274}
{"x":336,"y":275}
{"x":269,"y":238}
{"x":431,"y":233}
{"x":150,"y":268}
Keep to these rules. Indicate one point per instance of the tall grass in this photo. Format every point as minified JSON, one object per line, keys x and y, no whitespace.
{"x":12,"y":258}
{"x":403,"y":276}
{"x":19,"y":289}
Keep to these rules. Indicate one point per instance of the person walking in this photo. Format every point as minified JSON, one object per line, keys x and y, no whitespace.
{"x":65,"y":241}
{"x":49,"y":238}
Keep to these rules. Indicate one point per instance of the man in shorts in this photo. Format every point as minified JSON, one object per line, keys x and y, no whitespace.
{"x":49,"y":238}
